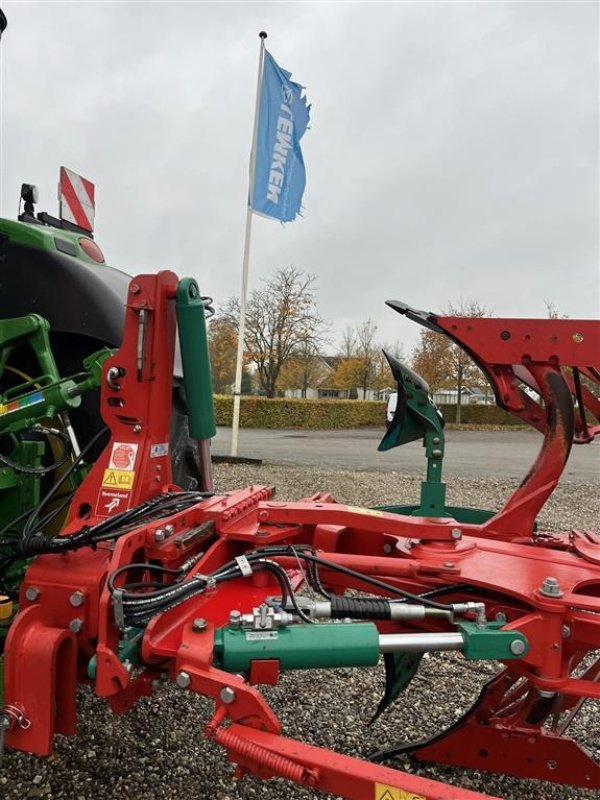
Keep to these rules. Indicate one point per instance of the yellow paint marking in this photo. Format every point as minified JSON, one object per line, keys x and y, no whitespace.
{"x":383,"y":792}
{"x":118,"y":479}
{"x":370,"y":511}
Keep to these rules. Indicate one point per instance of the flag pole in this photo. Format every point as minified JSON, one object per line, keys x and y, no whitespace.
{"x":235,"y":424}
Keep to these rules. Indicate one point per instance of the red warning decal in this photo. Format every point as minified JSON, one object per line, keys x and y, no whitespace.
{"x":123,"y":456}
{"x":111,"y":501}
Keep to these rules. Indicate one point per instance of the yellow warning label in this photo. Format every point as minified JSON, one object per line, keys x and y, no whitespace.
{"x":118,"y":479}
{"x":383,"y":792}
{"x":372,"y":512}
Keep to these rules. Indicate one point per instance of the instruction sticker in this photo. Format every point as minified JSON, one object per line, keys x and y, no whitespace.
{"x":384,"y":792}
{"x":123,"y":456}
{"x":118,"y":479}
{"x":159,"y":450}
{"x":111,"y":501}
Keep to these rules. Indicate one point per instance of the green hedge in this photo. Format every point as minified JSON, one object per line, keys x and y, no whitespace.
{"x":279,"y":413}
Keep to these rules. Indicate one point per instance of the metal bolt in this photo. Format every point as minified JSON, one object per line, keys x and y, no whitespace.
{"x":137,"y":428}
{"x":134,"y":288}
{"x":32,"y":593}
{"x":501,"y":617}
{"x":552,"y":764}
{"x":517,"y":647}
{"x":77,"y":599}
{"x":448,"y":564}
{"x":436,"y":440}
{"x":199,"y":625}
{"x":456,"y":534}
{"x":183,"y":680}
{"x":436,"y":453}
{"x":227,"y":695}
{"x":550,"y":587}
{"x":76,"y":625}
{"x":160,"y":535}
{"x":547,"y":695}
{"x":387,"y":548}
{"x":235,"y":619}
{"x":565,"y":631}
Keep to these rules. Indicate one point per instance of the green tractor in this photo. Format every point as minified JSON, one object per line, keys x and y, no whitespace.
{"x":62,"y":310}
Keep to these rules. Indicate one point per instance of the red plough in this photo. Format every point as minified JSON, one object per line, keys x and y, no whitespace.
{"x":225,"y":592}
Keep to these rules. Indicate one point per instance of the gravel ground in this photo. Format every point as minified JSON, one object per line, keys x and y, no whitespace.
{"x":158,"y":750}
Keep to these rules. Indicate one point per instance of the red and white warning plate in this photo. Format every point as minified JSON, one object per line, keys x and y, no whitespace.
{"x":77,"y":199}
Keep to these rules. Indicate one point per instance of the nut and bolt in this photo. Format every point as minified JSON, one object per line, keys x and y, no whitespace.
{"x":137,"y":428}
{"x":565,"y":631}
{"x":235,"y":619}
{"x":183,"y":680}
{"x":199,"y":625}
{"x":76,"y":625}
{"x":517,"y":647}
{"x":32,"y":593}
{"x":551,"y":587}
{"x":227,"y":695}
{"x":77,"y":599}
{"x":501,"y":617}
{"x":448,"y":564}
{"x":456,"y":534}
{"x":387,"y":548}
{"x":160,"y":535}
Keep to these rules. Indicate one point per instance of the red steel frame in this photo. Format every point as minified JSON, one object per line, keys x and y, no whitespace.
{"x":519,"y":724}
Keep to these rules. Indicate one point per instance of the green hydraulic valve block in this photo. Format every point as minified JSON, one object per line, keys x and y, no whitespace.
{"x":193,"y":341}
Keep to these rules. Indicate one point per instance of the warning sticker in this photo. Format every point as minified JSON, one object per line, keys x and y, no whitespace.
{"x":111,"y":501}
{"x":118,"y":479}
{"x":372,"y":512}
{"x":159,"y":450}
{"x":123,"y":456}
{"x":383,"y":792}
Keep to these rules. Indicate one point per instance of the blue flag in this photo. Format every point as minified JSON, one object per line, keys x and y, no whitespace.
{"x":279,"y":177}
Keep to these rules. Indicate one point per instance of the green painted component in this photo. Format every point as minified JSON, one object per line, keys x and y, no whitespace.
{"x":299,"y":646}
{"x":20,"y":407}
{"x":129,"y":650}
{"x":32,"y":330}
{"x":193,"y":341}
{"x":416,"y":418}
{"x":490,"y":642}
{"x":400,"y":669}
{"x":44,"y":237}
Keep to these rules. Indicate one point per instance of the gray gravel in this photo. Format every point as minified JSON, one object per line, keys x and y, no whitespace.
{"x":158,"y":750}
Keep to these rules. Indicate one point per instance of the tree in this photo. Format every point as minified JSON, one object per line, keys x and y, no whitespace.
{"x":363,"y":364}
{"x":305,"y":369}
{"x":445,"y":365}
{"x":358,"y":365}
{"x":282,"y":320}
{"x":222,"y":347}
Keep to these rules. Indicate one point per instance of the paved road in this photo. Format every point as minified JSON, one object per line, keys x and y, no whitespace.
{"x":469,"y":454}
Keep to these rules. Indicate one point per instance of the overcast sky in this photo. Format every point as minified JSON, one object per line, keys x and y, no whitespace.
{"x":452,"y":154}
